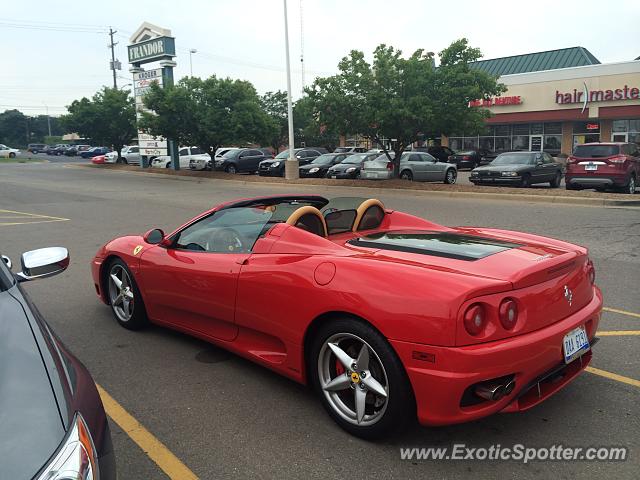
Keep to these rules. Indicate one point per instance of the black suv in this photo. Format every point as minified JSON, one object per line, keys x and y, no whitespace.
{"x":275,"y":167}
{"x":241,"y":160}
{"x":36,"y":148}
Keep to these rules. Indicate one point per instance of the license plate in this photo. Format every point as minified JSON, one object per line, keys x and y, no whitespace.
{"x":334,"y":176}
{"x":575,"y":344}
{"x":591,"y":167}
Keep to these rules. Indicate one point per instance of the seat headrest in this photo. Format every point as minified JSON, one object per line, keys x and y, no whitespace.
{"x":310,"y":219}
{"x":369,"y":215}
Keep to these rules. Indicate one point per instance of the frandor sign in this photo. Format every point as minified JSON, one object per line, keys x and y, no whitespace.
{"x":584,"y":96}
{"x":151,"y":49}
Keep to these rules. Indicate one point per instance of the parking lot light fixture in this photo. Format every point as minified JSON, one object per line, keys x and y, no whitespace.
{"x":291,"y":165}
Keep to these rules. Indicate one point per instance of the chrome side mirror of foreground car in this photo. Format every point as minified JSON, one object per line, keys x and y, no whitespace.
{"x":44,"y":262}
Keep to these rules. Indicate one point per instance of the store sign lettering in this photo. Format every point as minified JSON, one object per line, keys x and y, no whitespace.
{"x":585,"y":96}
{"x":495,"y":101}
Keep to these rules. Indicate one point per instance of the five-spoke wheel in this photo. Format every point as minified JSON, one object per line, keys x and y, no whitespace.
{"x":124,"y":297}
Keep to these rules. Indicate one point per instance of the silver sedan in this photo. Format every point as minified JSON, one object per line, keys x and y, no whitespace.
{"x":418,"y":166}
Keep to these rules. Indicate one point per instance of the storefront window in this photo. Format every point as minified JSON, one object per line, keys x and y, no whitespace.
{"x":552,"y":144}
{"x":502,"y":130}
{"x":470,"y":143}
{"x":455,"y":143}
{"x":521,"y":129}
{"x":487,"y":143}
{"x":503,"y":144}
{"x":553,"y":128}
{"x":537,"y":128}
{"x":520,"y":142}
{"x":620,"y":126}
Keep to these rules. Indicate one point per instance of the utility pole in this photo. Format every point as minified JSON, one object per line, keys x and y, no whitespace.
{"x":291,"y":164}
{"x":48,"y":119}
{"x":113,"y":56}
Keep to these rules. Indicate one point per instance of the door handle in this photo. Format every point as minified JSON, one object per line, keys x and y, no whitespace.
{"x":242,"y":261}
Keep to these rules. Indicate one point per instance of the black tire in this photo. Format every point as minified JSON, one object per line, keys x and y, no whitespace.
{"x":400,"y":403}
{"x":450,"y":176}
{"x":630,"y":187}
{"x":526,"y":181}
{"x":168,"y":165}
{"x":138,"y":317}
{"x":12,"y":155}
{"x":231,"y":168}
{"x":555,"y":183}
{"x":406,"y":175}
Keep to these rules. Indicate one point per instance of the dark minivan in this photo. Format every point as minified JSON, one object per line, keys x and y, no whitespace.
{"x":53,"y":423}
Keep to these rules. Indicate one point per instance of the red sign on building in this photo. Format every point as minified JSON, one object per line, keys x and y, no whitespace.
{"x":494,"y":101}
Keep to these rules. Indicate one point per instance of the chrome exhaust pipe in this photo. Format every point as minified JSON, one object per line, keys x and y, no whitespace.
{"x":509,"y":387}
{"x":491,"y":391}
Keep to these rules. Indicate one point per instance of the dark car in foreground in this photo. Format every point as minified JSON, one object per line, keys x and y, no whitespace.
{"x":320,"y":166}
{"x":274,"y":167}
{"x":604,"y":165}
{"x":350,"y":167}
{"x":471,"y":158}
{"x":521,"y":169}
{"x":54,"y":426}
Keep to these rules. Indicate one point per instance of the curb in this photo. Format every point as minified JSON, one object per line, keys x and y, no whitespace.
{"x":512,"y":197}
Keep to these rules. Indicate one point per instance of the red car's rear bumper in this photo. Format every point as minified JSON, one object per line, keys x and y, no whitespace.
{"x":442,"y":374}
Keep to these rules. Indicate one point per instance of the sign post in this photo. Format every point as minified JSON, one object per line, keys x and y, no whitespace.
{"x":151,"y":43}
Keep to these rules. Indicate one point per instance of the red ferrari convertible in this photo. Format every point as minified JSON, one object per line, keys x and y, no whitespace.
{"x":385,"y":314}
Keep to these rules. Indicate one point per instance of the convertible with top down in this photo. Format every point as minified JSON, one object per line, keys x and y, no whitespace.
{"x":387,"y":315}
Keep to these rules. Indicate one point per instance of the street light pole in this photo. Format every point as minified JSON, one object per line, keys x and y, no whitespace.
{"x":48,"y":119}
{"x":291,"y":164}
{"x":191,"y":52}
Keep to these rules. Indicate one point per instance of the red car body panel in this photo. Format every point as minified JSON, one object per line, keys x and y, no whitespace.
{"x":263,"y":304}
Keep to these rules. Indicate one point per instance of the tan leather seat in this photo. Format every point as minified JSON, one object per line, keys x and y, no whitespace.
{"x":369,"y":215}
{"x":310,"y":219}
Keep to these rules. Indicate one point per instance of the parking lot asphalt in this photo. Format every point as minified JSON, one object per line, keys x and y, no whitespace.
{"x":224,"y":417}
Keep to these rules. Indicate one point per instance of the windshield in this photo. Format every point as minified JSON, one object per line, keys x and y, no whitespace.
{"x":595,"y":151}
{"x":283,"y":155}
{"x":342,"y":150}
{"x":323,"y":159}
{"x":513,"y":159}
{"x":357,"y":158}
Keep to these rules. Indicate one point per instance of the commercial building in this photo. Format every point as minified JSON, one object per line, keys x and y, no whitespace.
{"x":556,"y":100}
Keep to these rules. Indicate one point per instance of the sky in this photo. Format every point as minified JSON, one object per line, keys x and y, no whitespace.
{"x":55,"y":52}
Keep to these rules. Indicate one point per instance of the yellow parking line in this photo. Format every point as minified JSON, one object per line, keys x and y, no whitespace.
{"x":621,"y":312}
{"x":33,"y":215}
{"x":617,"y":333}
{"x":154,"y":448}
{"x":614,"y":376}
{"x":30,"y":223}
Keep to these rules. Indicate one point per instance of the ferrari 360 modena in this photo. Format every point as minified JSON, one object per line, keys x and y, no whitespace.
{"x":386,"y":315}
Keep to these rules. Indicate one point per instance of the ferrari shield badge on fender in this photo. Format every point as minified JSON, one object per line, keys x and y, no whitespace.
{"x":137,"y":250}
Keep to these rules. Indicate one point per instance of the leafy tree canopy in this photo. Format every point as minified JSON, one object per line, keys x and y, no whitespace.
{"x":207,"y":113}
{"x":108,"y":118}
{"x":405,"y":99}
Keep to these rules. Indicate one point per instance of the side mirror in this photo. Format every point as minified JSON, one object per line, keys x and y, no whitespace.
{"x":154,"y":237}
{"x":44,"y":262}
{"x":539,"y":164}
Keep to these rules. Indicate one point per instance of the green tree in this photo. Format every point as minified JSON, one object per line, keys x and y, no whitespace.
{"x":275,"y":106}
{"x":108,"y":118}
{"x":207,"y":113}
{"x":404,"y":99}
{"x":14,"y":128}
{"x":308,"y":130}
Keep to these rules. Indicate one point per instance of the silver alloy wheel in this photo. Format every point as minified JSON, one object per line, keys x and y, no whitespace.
{"x":632,"y":185}
{"x":451,"y":176}
{"x":120,"y":293}
{"x":231,"y":169}
{"x":353,"y":379}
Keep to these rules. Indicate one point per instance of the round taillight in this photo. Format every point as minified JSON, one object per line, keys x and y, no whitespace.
{"x":508,"y":313}
{"x":475,"y":319}
{"x":591,"y":272}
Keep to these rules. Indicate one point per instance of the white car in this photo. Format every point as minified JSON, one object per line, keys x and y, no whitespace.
{"x":129,"y":155}
{"x":7,"y":152}
{"x":186,"y":154}
{"x":203,"y":162}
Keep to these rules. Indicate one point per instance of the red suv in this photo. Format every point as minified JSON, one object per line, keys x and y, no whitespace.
{"x":604,"y":165}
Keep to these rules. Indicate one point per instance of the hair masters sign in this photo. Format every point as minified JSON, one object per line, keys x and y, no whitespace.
{"x":584,"y":95}
{"x":151,"y":50}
